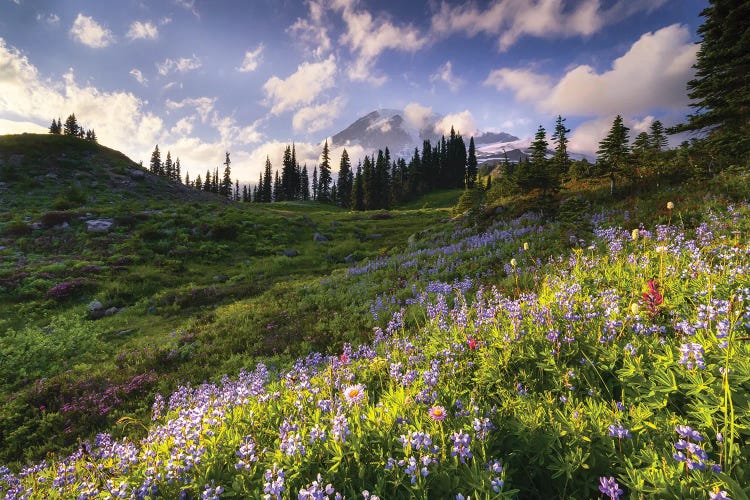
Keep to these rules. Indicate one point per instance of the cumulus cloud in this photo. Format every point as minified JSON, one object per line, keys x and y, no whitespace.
{"x":203,"y":105}
{"x":509,"y":20}
{"x":138,"y":75}
{"x":251,"y":60}
{"x":312,"y":32}
{"x":445,"y":74}
{"x":462,"y":122}
{"x":119,"y":118}
{"x":301,"y":87}
{"x":314,"y":118}
{"x":183,"y":127}
{"x":90,"y":33}
{"x":181,"y":65}
{"x":20,"y":127}
{"x":651,"y":75}
{"x":367,"y":38}
{"x":417,"y":116}
{"x":144,"y":31}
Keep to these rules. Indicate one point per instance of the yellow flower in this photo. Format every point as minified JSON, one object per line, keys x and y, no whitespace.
{"x":513,"y":262}
{"x":635,"y":308}
{"x":635,"y":234}
{"x":670,"y":205}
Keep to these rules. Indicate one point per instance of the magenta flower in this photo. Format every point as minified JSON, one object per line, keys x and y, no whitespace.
{"x":354,"y":394}
{"x":437,"y":413}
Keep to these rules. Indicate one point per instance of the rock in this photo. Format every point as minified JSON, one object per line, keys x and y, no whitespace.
{"x":15,"y":160}
{"x":320,"y":238}
{"x":136,"y":174}
{"x":63,"y":225}
{"x":350,"y":259}
{"x":95,"y":305}
{"x":99,"y":225}
{"x":111,"y":311}
{"x":36,"y":225}
{"x":2,"y":247}
{"x":3,"y":186}
{"x":51,"y":176}
{"x":290,"y":252}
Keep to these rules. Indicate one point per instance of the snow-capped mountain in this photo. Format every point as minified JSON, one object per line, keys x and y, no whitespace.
{"x":390,"y":128}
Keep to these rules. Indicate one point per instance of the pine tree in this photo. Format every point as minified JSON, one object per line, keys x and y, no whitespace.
{"x":236,"y":196}
{"x":368,"y":185}
{"x":198,"y":183}
{"x":187,"y":176}
{"x":245,"y":195}
{"x":225,"y":188}
{"x":614,"y":153}
{"x":324,"y":175}
{"x":168,"y":166}
{"x":207,"y":182}
{"x":304,"y":184}
{"x":177,"y":172}
{"x":358,"y":192}
{"x":720,"y":91}
{"x":267,"y":191}
{"x":472,"y":168}
{"x":155,"y":163}
{"x":71,"y":126}
{"x":276,"y":187}
{"x":288,"y":176}
{"x":55,"y":127}
{"x":658,"y":138}
{"x":345,"y":178}
{"x":561,"y":160}
{"x":315,"y":183}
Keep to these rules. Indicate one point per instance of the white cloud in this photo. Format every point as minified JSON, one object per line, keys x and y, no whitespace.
{"x":90,"y":33}
{"x":314,"y":118}
{"x":20,"y":127}
{"x":301,"y":87}
{"x":509,"y":20}
{"x":312,"y":32}
{"x":251,"y":60}
{"x":417,"y":116}
{"x":462,"y":122}
{"x":138,"y":75}
{"x":203,"y":105}
{"x":145,"y":31}
{"x":445,"y":74}
{"x":367,"y":38}
{"x":188,"y":5}
{"x":651,"y":75}
{"x":119,"y":118}
{"x":181,"y":65}
{"x":184,"y":126}
{"x":51,"y":19}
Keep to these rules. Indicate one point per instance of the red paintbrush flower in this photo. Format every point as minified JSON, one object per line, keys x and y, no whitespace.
{"x":653,"y":298}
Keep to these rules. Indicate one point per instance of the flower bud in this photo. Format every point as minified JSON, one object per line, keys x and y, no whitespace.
{"x":634,"y":234}
{"x":670,"y":205}
{"x":635,"y":308}
{"x":526,"y":246}
{"x":513,"y":262}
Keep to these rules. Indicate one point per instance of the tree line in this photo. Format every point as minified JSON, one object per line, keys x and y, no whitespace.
{"x":71,"y":128}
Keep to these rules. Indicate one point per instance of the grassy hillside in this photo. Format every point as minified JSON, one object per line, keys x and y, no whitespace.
{"x":602,"y":351}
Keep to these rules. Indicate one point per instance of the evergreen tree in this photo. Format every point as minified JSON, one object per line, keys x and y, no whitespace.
{"x":177,"y":172}
{"x":187,"y":176}
{"x":358,"y":192}
{"x":198,"y":183}
{"x":658,"y":139}
{"x":245,"y":194}
{"x":71,"y":126}
{"x":54,"y":128}
{"x":561,"y":160}
{"x":304,"y":184}
{"x":344,"y":194}
{"x":368,"y":184}
{"x":267,"y":191}
{"x":416,"y":177}
{"x":720,"y":91}
{"x":315,"y":183}
{"x":614,"y":153}
{"x":276,"y":187}
{"x":155,"y":163}
{"x":472,"y":168}
{"x":289,"y":180}
{"x":324,"y":176}
{"x":168,"y":166}
{"x":207,"y":182}
{"x":334,"y":193}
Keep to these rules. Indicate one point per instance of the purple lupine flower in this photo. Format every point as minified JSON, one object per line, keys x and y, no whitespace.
{"x":692,"y":355}
{"x":211,"y":492}
{"x":461,"y":448}
{"x":609,"y":486}
{"x":619,"y":432}
{"x":340,"y":429}
{"x":246,"y":454}
{"x":718,"y":494}
{"x":274,"y":484}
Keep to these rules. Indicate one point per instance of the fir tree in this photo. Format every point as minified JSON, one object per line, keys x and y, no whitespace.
{"x":614,"y":153}
{"x":324,"y":175}
{"x":215,"y":181}
{"x":177,"y":172}
{"x":304,"y":184}
{"x":358,"y":192}
{"x":276,"y":187}
{"x":198,"y":183}
{"x":155,"y":163}
{"x":658,"y":139}
{"x":168,"y":166}
{"x":345,"y":181}
{"x":55,"y":128}
{"x":315,"y":183}
{"x":561,"y":160}
{"x":267,"y":191}
{"x":472,"y":168}
{"x":237,"y":190}
{"x":207,"y":182}
{"x":71,"y":126}
{"x":720,"y":91}
{"x":245,"y":194}
{"x":225,"y":188}
{"x":289,"y":180}
{"x":187,"y":176}
{"x":368,"y":184}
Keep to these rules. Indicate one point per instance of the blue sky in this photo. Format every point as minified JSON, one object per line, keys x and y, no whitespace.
{"x":200,"y":78}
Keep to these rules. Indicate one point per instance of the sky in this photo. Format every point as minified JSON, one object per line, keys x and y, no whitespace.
{"x":249,"y":77}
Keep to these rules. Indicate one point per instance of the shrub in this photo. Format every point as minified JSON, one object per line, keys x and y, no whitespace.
{"x":55,"y":218}
{"x":17,"y":228}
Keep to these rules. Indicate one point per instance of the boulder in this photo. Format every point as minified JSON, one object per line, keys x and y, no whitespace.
{"x":111,"y":311}
{"x":94,"y":305}
{"x":350,"y":259}
{"x":136,"y":174}
{"x":99,"y":225}
{"x":290,"y":252}
{"x":15,"y":160}
{"x":320,"y":238}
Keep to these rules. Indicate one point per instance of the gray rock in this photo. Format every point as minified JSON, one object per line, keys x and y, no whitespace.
{"x":290,"y":252}
{"x":2,"y":247}
{"x":51,"y":175}
{"x":15,"y":160}
{"x":350,"y":259}
{"x":94,"y":306}
{"x":320,"y":238}
{"x":36,"y":225}
{"x":63,"y":225}
{"x":111,"y":311}
{"x":136,"y":174}
{"x":3,"y":186}
{"x":99,"y":225}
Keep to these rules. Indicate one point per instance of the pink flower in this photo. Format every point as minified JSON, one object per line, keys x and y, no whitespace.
{"x":354,"y":394}
{"x":438,"y":413}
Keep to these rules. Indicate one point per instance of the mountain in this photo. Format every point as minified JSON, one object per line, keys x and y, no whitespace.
{"x":389,"y":128}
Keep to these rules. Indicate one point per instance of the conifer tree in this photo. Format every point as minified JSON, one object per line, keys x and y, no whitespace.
{"x":276,"y":187}
{"x":267,"y":190}
{"x":358,"y":192}
{"x":177,"y":172}
{"x":207,"y":182}
{"x":720,"y":91}
{"x":288,"y":176}
{"x":55,"y":128}
{"x":658,"y":138}
{"x":561,"y":160}
{"x":225,"y":188}
{"x":187,"y":176}
{"x":168,"y":166}
{"x":344,"y":194}
{"x":71,"y":126}
{"x":368,"y":184}
{"x":315,"y":183}
{"x":198,"y":183}
{"x":472,"y":168}
{"x":245,"y":194}
{"x":237,"y":190}
{"x":324,"y":175}
{"x":304,"y":184}
{"x":155,"y":163}
{"x":614,"y":153}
